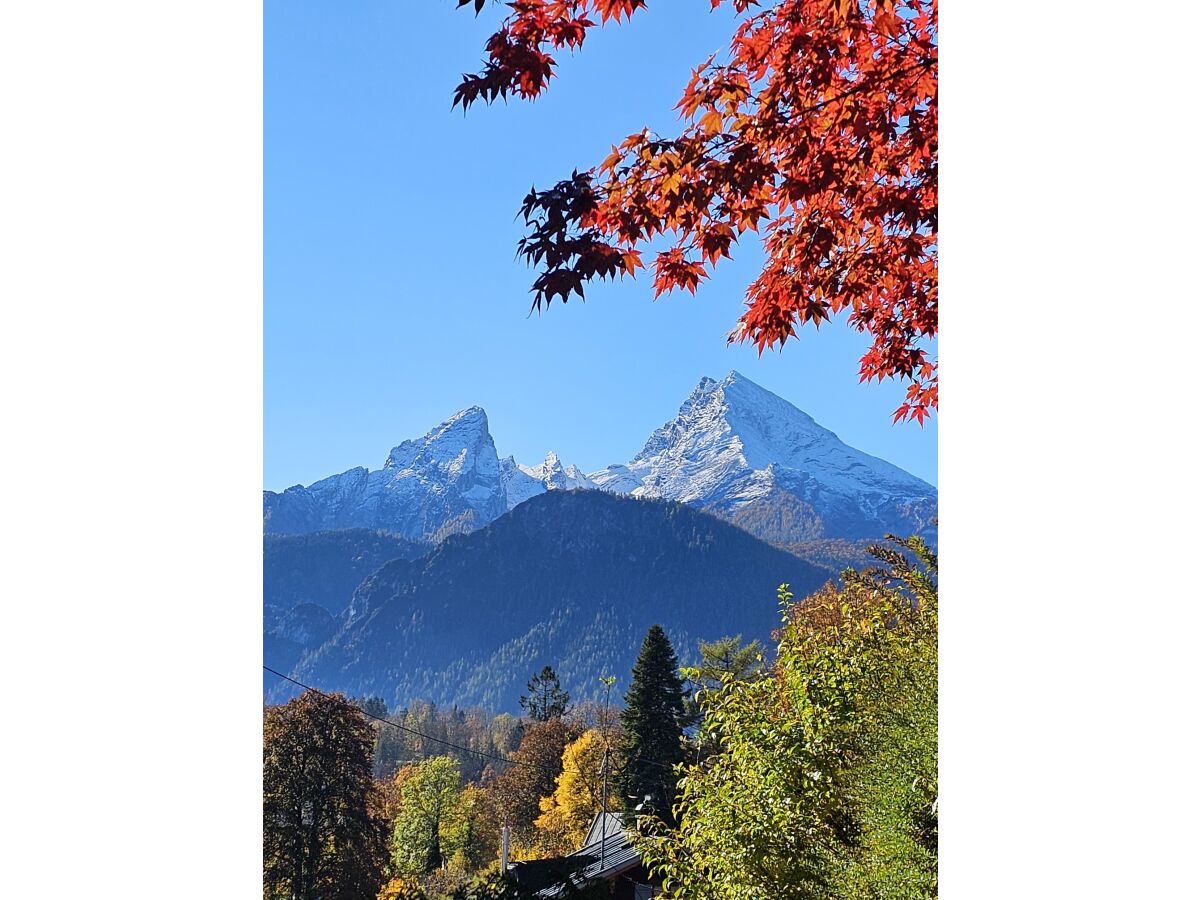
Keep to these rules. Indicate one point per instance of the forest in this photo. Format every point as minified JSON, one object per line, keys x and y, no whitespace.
{"x":807,"y":768}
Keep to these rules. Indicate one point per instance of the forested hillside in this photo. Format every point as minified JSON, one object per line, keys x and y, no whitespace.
{"x":308,"y":580}
{"x":574,"y":578}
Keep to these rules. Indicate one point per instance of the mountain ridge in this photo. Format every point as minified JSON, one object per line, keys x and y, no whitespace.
{"x":733,"y":448}
{"x":569,"y":578}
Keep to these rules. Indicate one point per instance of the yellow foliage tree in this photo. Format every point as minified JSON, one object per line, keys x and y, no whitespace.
{"x":568,"y":812}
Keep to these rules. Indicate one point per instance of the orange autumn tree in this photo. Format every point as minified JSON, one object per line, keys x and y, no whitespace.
{"x":817,"y":130}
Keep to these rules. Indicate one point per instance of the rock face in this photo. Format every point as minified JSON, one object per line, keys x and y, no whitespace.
{"x":734,"y":449}
{"x":451,"y":574}
{"x":449,"y":479}
{"x":744,"y":453}
{"x":522,"y":482}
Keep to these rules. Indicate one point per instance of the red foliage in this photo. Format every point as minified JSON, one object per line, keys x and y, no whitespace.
{"x":819,"y":127}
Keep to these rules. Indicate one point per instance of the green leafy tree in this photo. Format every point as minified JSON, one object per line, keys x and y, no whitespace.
{"x":825,"y":784}
{"x":651,"y":740}
{"x":546,"y":699}
{"x":323,"y":833}
{"x":471,"y":832}
{"x":426,"y":796}
{"x":721,"y":661}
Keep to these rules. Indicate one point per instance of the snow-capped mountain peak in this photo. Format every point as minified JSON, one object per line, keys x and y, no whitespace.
{"x":733,"y":444}
{"x":733,"y":448}
{"x":450,"y":478}
{"x":522,"y":482}
{"x":465,"y":430}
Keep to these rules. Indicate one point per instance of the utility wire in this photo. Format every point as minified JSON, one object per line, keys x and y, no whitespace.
{"x":485,"y":755}
{"x":450,"y":743}
{"x":420,"y":734}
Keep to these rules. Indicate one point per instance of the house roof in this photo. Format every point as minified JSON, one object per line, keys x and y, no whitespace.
{"x":605,"y":854}
{"x":604,"y":824}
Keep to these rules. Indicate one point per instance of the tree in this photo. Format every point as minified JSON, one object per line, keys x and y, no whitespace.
{"x":721,"y":661}
{"x":578,"y":794}
{"x":323,"y":835}
{"x":546,"y":698}
{"x":472,"y":831}
{"x":818,"y":125}
{"x":651,"y":741}
{"x":535,"y":766}
{"x":374,"y":707}
{"x":427,"y":792}
{"x":825,"y":784}
{"x":728,"y":659}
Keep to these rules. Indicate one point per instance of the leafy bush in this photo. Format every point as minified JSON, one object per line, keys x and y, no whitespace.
{"x":825,"y":784}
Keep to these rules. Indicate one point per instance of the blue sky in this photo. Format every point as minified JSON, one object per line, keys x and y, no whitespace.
{"x":392,"y":296}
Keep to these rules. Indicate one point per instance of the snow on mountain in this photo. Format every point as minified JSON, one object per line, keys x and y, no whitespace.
{"x":734,"y":449}
{"x":522,"y":482}
{"x":449,"y":479}
{"x":739,"y":450}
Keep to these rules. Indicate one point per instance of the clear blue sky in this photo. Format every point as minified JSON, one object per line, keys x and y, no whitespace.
{"x":392,"y":296}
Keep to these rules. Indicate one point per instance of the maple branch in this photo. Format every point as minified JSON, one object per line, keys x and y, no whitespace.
{"x":926,"y":63}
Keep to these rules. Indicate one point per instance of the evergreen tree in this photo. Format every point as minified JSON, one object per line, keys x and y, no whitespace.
{"x":721,"y":661}
{"x":729,"y":658}
{"x":651,"y":741}
{"x":546,"y":699}
{"x":373,"y":707}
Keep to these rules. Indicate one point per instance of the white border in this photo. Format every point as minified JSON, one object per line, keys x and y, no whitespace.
{"x":1067,"y":482}
{"x":130,"y":253}
{"x":132,"y":366}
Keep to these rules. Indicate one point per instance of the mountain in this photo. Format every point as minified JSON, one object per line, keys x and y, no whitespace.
{"x":522,"y":482}
{"x":740,"y":451}
{"x":309,"y":579}
{"x":448,"y":480}
{"x":569,"y":578}
{"x":734,"y":449}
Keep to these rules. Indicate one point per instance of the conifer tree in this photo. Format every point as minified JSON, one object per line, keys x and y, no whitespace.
{"x":651,"y":741}
{"x":546,"y":699}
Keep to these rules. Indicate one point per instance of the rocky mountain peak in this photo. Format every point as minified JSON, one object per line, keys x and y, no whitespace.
{"x":733,"y":447}
{"x":465,"y":430}
{"x":734,"y":443}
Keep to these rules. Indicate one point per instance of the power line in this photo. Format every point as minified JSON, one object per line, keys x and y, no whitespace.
{"x":420,"y":734}
{"x":485,"y":755}
{"x":430,"y":737}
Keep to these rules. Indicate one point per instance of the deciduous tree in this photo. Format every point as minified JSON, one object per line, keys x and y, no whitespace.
{"x":323,"y":836}
{"x":536,"y":765}
{"x":825,"y":785}
{"x":721,"y":661}
{"x":816,"y":129}
{"x":472,"y":831}
{"x":426,"y":795}
{"x":578,"y":794}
